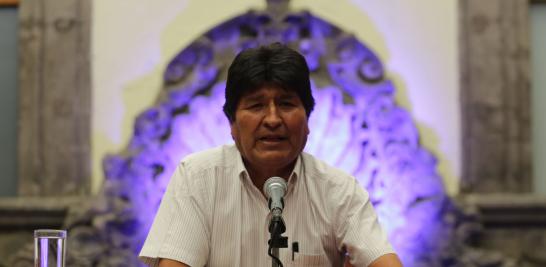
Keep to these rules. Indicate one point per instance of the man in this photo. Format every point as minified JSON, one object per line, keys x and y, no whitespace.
{"x":214,"y":213}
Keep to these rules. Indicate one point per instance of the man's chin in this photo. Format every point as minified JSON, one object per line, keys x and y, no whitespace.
{"x":279,"y":160}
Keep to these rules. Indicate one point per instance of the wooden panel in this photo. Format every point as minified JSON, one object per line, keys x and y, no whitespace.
{"x":495,"y":95}
{"x":55,"y":93}
{"x":9,"y":2}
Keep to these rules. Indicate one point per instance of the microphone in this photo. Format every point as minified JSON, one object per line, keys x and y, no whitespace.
{"x":274,"y":190}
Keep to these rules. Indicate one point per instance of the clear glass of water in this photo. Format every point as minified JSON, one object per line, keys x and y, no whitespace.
{"x":49,"y":248}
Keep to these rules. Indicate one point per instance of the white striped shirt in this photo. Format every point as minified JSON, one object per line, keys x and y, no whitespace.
{"x":213,"y":215}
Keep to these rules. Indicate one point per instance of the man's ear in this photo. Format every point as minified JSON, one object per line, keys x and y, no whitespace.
{"x":234,"y":132}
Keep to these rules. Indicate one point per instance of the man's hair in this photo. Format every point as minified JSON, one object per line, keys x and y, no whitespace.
{"x":276,"y":65}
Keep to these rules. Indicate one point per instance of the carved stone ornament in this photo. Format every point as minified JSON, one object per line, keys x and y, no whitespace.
{"x":356,"y":126}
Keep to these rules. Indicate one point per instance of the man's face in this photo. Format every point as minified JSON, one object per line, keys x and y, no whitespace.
{"x":270,"y":128}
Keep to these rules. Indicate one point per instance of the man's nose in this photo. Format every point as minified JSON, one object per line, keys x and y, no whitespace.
{"x":272,"y":117}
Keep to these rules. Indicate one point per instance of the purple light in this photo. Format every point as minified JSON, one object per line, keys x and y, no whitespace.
{"x":44,"y":252}
{"x":356,"y":126}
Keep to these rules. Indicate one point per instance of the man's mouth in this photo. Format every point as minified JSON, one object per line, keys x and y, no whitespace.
{"x":272,"y":138}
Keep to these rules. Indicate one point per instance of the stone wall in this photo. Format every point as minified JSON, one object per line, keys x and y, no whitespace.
{"x":54,"y":98}
{"x":495,"y":106}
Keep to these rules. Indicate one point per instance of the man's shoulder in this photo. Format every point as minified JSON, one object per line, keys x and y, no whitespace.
{"x":221,"y":156}
{"x":323,"y":172}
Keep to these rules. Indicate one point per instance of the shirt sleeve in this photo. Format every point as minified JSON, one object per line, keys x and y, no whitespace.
{"x":357,"y":230}
{"x":179,"y":231}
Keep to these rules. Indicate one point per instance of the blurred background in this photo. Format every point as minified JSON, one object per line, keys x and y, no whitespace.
{"x":76,"y":74}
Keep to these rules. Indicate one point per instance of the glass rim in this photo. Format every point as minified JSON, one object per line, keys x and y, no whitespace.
{"x":50,"y":233}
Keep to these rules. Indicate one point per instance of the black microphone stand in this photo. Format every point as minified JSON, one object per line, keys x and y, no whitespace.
{"x":276,"y":241}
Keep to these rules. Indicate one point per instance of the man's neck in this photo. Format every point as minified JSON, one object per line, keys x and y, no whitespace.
{"x":259,"y":177}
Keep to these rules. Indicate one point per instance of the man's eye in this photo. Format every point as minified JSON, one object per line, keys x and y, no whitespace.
{"x":254,"y":106}
{"x":287,"y":104}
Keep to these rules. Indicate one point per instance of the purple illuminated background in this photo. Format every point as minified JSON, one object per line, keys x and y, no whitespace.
{"x":356,"y":126}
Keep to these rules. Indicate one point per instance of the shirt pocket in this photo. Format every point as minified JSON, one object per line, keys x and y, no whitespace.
{"x":307,"y":260}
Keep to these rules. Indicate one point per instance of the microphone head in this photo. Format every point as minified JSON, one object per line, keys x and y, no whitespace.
{"x":276,"y":184}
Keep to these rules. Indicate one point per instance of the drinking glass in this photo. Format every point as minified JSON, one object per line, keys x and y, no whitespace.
{"x":49,"y":248}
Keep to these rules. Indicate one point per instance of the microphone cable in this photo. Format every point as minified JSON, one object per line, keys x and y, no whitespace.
{"x":270,"y":250}
{"x":273,"y":257}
